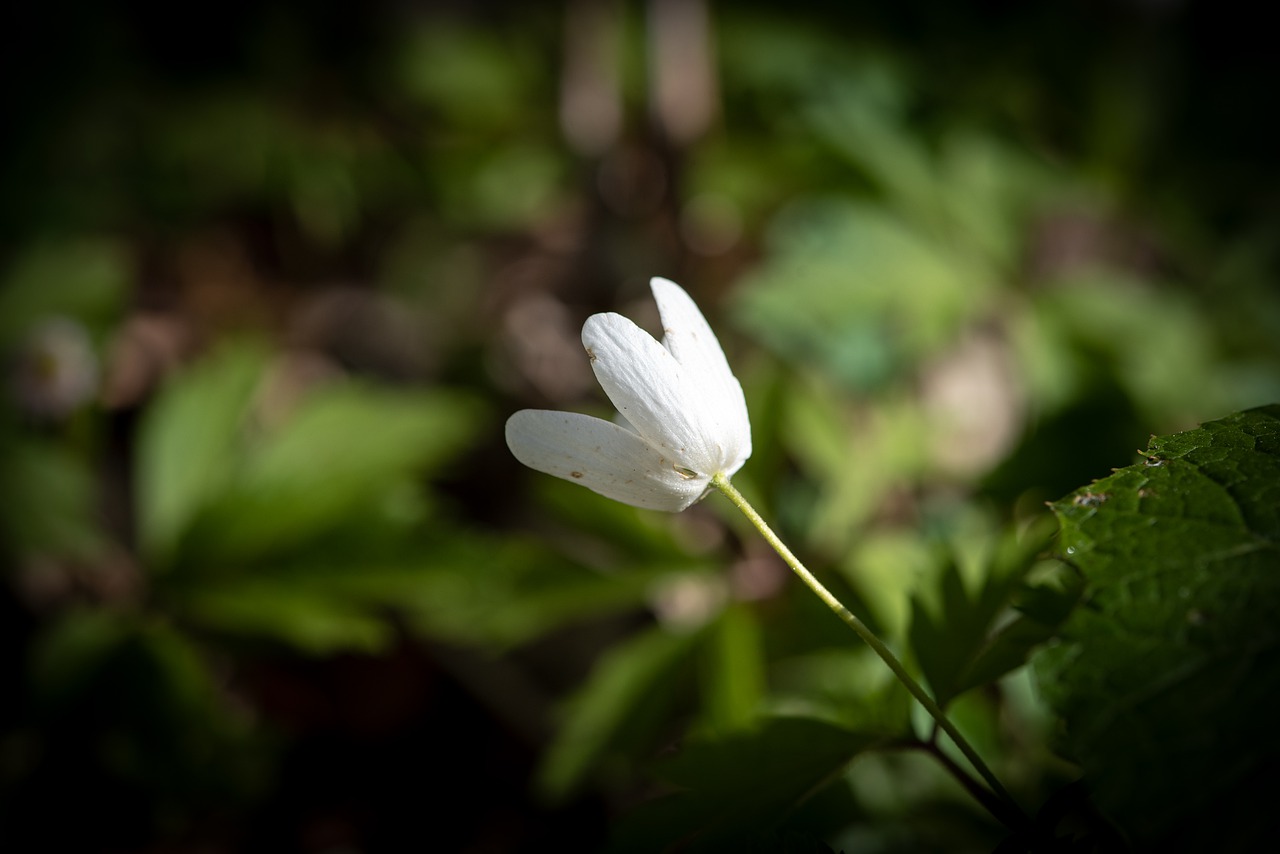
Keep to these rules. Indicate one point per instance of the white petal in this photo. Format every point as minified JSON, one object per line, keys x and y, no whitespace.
{"x":603,"y":457}
{"x":652,"y":392}
{"x":689,"y":338}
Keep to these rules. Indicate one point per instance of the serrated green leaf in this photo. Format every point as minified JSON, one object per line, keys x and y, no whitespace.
{"x":1168,"y":678}
{"x":627,"y":689}
{"x":956,"y":641}
{"x":186,"y":446}
{"x":737,"y":790}
{"x":1040,"y":609}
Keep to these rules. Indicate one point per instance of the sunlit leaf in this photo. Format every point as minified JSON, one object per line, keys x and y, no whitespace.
{"x":858,"y":291}
{"x":346,"y":446}
{"x":186,"y":446}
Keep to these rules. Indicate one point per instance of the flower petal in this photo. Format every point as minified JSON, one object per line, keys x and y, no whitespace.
{"x":603,"y":457}
{"x":652,"y":392}
{"x":688,"y":337}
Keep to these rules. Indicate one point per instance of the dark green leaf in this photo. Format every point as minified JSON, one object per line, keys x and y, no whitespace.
{"x":136,"y":697}
{"x":1040,"y":609}
{"x":1168,"y":677}
{"x":954,"y":641}
{"x":85,"y":280}
{"x":736,"y":790}
{"x":48,"y":498}
{"x":625,"y":686}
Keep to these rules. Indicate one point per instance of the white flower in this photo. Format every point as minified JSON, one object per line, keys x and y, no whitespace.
{"x":684,"y":419}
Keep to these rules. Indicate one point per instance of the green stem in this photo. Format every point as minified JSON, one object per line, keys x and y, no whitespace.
{"x":722,"y":483}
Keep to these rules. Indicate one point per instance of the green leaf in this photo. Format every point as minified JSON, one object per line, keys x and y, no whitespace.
{"x":340,"y":592}
{"x":187,"y":442}
{"x":627,"y":693}
{"x":737,"y":790}
{"x":850,"y":687}
{"x":955,"y":639}
{"x":914,"y":292}
{"x":734,"y":671}
{"x":48,"y":498}
{"x":1009,"y":647}
{"x":83,"y":279}
{"x":1168,"y":676}
{"x":348,"y":446}
{"x":135,"y":696}
{"x":312,"y":621}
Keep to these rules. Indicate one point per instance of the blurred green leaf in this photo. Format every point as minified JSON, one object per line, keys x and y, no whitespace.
{"x":345,"y":446}
{"x":861,"y":117}
{"x":850,"y":687}
{"x":858,"y":291}
{"x":86,"y":280}
{"x":734,"y":672}
{"x":629,"y":690}
{"x":853,"y":461}
{"x":67,"y":656}
{"x":476,"y":79}
{"x":297,"y":612}
{"x":504,"y":593}
{"x":187,"y":442}
{"x":134,"y":694}
{"x":342,"y":592}
{"x":49,"y":501}
{"x":618,"y":531}
{"x":734,"y":791}
{"x":990,"y":192}
{"x":1168,"y":677}
{"x":1101,"y":325}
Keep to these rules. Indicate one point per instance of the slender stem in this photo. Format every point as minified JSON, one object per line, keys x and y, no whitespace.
{"x":1002,"y":808}
{"x":722,"y":483}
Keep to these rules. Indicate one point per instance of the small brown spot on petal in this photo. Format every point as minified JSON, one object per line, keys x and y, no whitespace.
{"x":575,"y":474}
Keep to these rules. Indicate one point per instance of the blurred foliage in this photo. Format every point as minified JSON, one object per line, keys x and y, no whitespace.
{"x":271,"y":285}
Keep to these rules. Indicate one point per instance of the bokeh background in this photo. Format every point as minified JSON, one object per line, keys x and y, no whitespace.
{"x":274,"y":274}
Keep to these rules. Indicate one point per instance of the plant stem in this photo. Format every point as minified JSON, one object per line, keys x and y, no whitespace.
{"x":722,"y":483}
